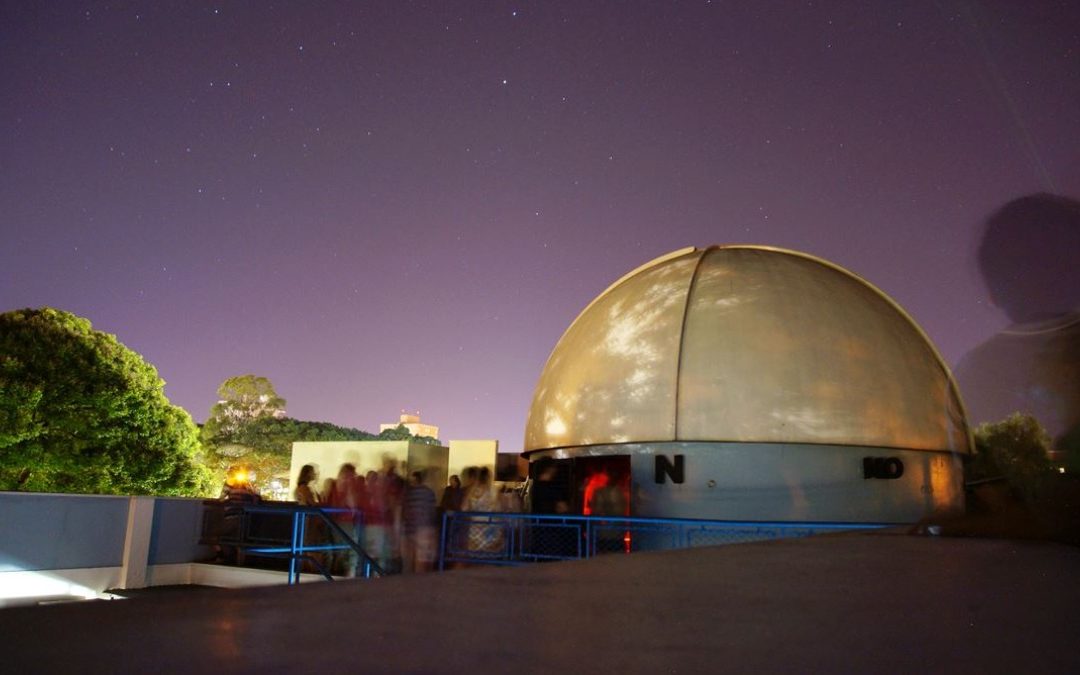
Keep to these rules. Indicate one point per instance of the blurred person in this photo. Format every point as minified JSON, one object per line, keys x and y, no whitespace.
{"x":1028,"y":257}
{"x":511,"y":499}
{"x":448,"y":503}
{"x":480,"y":496}
{"x":483,"y":538}
{"x":374,"y":515}
{"x":342,"y":494}
{"x":304,"y":493}
{"x":418,"y":517}
{"x":459,"y":536}
{"x":361,"y":496}
{"x":314,"y":533}
{"x":238,"y":487}
{"x":610,"y":496}
{"x":327,"y":488}
{"x":237,"y":493}
{"x":609,"y":500}
{"x":343,"y":497}
{"x":468,"y":479}
{"x":452,"y":495}
{"x":393,"y":486}
{"x":548,"y":496}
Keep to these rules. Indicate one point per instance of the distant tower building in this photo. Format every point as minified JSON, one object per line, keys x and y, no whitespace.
{"x":413,"y":424}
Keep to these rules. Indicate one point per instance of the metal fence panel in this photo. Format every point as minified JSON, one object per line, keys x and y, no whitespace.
{"x":516,"y":539}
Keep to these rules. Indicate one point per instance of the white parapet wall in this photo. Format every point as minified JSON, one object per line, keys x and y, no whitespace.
{"x":60,"y":547}
{"x":67,"y":547}
{"x":222,"y":576}
{"x":23,"y":587}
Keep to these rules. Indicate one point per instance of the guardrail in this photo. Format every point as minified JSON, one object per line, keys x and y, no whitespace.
{"x":517,"y":539}
{"x":285,"y":531}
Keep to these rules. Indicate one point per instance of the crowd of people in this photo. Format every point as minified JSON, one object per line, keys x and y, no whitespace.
{"x":396,"y":521}
{"x":475,"y":491}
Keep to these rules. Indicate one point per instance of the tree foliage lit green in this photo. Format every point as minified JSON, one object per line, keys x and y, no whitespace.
{"x":80,"y":412}
{"x":241,"y":400}
{"x":401,"y":433}
{"x":1016,"y":449}
{"x":246,"y":428}
{"x":264,"y":444}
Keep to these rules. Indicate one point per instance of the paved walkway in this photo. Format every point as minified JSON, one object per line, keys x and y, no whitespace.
{"x":854,"y":603}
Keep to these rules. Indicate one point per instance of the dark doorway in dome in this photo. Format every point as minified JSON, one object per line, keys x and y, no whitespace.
{"x":603,"y":485}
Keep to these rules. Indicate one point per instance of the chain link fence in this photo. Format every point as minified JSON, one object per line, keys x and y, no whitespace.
{"x":516,"y":539}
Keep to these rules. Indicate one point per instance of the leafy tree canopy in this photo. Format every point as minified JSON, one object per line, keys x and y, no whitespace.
{"x":1016,"y":448}
{"x":80,"y":412}
{"x":247,"y":427}
{"x":401,"y":433}
{"x":276,"y":435}
{"x":260,"y":439}
{"x":398,"y":433}
{"x":264,"y":445}
{"x":243,"y":399}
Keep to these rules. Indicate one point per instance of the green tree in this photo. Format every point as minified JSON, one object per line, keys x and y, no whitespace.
{"x":398,"y":433}
{"x":80,"y":412}
{"x":248,"y":427}
{"x":402,"y":433}
{"x":241,"y":400}
{"x":1016,"y":449}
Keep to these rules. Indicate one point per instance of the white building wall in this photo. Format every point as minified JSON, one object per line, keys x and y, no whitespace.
{"x":782,"y":482}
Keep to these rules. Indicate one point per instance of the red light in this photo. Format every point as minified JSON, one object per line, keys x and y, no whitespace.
{"x":592,"y":484}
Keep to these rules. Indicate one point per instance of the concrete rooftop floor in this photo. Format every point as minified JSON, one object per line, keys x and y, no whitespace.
{"x":854,"y":602}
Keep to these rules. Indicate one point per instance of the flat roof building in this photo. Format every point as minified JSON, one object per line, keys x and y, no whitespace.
{"x":413,"y":424}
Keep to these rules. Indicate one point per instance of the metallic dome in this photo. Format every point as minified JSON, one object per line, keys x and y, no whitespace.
{"x":745,"y":344}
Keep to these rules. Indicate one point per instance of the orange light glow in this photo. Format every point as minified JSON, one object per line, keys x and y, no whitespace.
{"x":239,"y":476}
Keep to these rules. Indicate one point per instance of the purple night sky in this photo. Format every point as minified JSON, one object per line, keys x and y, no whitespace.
{"x":403,"y":204}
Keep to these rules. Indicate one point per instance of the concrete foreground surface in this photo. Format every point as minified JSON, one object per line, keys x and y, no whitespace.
{"x":844,"y":603}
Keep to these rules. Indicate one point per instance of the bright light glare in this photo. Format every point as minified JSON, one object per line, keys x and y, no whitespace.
{"x":27,"y":585}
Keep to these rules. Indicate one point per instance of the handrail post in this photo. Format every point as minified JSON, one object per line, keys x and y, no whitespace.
{"x":294,"y":575}
{"x":511,"y":526}
{"x":354,"y":545}
{"x":442,"y":540}
{"x":300,"y":539}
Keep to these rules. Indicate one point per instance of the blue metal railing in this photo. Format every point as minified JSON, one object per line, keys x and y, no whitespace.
{"x":517,"y":539}
{"x":500,"y":538}
{"x":299,"y":549}
{"x":292,"y":540}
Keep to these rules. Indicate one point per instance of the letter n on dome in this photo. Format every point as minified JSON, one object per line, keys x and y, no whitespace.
{"x":666,"y":469}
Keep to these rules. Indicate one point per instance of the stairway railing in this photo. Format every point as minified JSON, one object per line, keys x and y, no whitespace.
{"x":232,"y":525}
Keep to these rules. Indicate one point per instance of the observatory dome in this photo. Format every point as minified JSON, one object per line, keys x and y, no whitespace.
{"x":745,"y":344}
